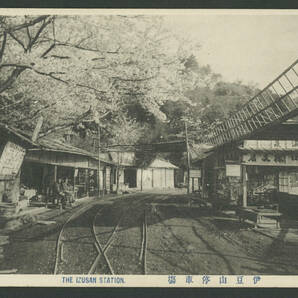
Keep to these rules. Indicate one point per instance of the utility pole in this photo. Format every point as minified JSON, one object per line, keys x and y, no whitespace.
{"x":96,"y":120}
{"x":99,"y":180}
{"x":188,"y":158}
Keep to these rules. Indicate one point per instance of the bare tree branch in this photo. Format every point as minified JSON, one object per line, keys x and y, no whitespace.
{"x":80,"y":47}
{"x":18,"y":41}
{"x":26,"y":24}
{"x":50,"y":74}
{"x":134,"y":80}
{"x":3,"y":46}
{"x":11,"y":104}
{"x":35,"y":114}
{"x":91,"y":88}
{"x":41,"y":28}
{"x":65,"y":125}
{"x":60,"y":57}
{"x":11,"y":79}
{"x":48,"y":50}
{"x":28,"y":34}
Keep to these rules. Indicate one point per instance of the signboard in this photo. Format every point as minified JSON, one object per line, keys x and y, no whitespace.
{"x":195,"y":173}
{"x":233,"y":170}
{"x":11,"y":159}
{"x":196,"y":184}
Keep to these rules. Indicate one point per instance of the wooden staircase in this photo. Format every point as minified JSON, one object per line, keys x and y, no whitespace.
{"x":276,"y":103}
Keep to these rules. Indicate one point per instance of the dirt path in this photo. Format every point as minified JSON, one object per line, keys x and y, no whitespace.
{"x":181,"y":240}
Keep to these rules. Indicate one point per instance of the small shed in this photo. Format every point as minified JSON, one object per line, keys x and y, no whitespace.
{"x":159,"y":173}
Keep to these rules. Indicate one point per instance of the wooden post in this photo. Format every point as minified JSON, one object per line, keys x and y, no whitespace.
{"x":141,"y":179}
{"x":86,"y":182}
{"x":44,"y":184}
{"x":74,"y":184}
{"x":99,"y":176}
{"x":152,"y":178}
{"x":118,"y":172}
{"x":244,"y":181}
{"x":104,"y":180}
{"x":55,"y":173}
{"x":43,"y":180}
{"x":203,"y":179}
{"x":188,"y":159}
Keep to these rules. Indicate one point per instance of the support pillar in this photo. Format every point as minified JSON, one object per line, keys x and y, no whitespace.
{"x":203,"y":179}
{"x":244,"y":182}
{"x":141,"y":179}
{"x":74,"y":183}
{"x":86,"y":182}
{"x":55,"y":173}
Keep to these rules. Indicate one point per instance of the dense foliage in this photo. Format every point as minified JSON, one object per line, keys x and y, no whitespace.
{"x":129,"y":75}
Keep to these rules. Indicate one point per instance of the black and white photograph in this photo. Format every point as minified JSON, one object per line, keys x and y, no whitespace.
{"x":158,"y":142}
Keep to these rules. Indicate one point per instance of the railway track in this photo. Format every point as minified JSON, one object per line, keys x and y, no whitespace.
{"x":115,"y":243}
{"x":60,"y":240}
{"x":98,"y":248}
{"x":59,"y":259}
{"x":102,"y":250}
{"x":143,"y":254}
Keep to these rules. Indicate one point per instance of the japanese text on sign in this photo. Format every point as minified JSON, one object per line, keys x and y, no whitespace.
{"x":11,"y":159}
{"x":195,"y":173}
{"x":233,"y":170}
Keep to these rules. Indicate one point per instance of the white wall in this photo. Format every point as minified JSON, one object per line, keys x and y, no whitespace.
{"x":155,"y":178}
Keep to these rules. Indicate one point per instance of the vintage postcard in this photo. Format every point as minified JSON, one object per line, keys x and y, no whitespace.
{"x":148,"y":148}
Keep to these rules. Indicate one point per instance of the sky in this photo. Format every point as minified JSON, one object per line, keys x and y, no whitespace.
{"x":247,"y":46}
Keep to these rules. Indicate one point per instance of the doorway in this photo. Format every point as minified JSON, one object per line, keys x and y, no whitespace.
{"x":130,"y":177}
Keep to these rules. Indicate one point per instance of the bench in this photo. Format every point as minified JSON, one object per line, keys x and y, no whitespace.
{"x":260,"y":217}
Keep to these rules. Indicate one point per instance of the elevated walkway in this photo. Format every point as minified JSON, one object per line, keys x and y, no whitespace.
{"x":276,"y":103}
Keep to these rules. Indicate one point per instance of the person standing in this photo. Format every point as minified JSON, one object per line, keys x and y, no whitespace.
{"x":58,"y":193}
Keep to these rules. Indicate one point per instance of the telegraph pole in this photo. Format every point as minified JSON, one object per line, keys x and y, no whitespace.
{"x":96,"y":120}
{"x":98,"y":135}
{"x":188,"y":158}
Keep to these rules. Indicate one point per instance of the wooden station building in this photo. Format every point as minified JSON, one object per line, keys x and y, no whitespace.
{"x":55,"y":160}
{"x":256,"y":150}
